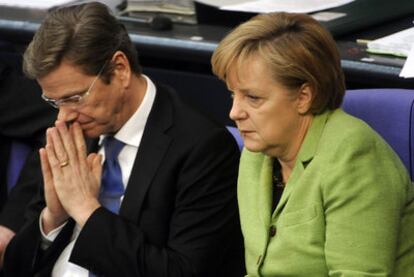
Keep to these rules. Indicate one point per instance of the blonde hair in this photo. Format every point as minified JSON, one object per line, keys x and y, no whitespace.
{"x":296,"y":48}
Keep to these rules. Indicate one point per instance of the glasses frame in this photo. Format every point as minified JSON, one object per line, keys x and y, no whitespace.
{"x":74,"y":99}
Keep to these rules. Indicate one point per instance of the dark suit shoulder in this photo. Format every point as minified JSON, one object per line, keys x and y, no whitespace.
{"x":186,"y":118}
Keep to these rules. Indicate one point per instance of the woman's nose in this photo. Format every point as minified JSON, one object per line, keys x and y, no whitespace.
{"x":237,"y":112}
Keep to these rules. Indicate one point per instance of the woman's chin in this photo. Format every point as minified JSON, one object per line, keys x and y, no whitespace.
{"x":253,"y":147}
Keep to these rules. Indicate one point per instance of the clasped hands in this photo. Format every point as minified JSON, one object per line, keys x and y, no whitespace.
{"x":71,"y":177}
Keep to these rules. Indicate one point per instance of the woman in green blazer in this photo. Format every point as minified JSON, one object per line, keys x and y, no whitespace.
{"x":320,"y":193}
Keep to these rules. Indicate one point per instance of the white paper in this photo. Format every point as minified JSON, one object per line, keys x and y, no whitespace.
{"x":408,"y":68}
{"x":220,"y":3}
{"x":327,"y":16}
{"x":398,"y":44}
{"x":34,"y":4}
{"x":295,"y":6}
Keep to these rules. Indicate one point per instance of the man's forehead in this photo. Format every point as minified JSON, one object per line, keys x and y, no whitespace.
{"x":64,"y":81}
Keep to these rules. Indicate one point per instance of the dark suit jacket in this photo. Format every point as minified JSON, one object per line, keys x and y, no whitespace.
{"x":24,"y":118}
{"x":179,"y":215}
{"x":24,"y":114}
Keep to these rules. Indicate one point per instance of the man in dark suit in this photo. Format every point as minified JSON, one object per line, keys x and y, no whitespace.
{"x":175,"y":171}
{"x":24,"y":119}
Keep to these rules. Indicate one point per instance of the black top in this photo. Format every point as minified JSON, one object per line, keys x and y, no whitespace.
{"x":278,"y":184}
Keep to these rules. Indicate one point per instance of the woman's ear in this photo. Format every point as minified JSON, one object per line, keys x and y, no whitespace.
{"x":122,"y":68}
{"x":305,"y":98}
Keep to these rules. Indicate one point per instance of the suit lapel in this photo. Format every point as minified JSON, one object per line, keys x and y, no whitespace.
{"x":154,"y":145}
{"x":92,"y":145}
{"x":296,"y":173}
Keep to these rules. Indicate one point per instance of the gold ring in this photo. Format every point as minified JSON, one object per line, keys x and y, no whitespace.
{"x":63,"y":164}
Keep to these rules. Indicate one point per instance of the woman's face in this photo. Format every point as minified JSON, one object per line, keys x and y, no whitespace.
{"x":270,"y":117}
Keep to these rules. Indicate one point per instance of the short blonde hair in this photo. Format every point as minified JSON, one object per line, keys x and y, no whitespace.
{"x":297,"y":49}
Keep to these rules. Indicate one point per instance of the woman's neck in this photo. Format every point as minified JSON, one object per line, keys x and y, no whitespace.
{"x":288,"y":160}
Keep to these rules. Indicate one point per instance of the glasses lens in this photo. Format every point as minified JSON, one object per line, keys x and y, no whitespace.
{"x":74,"y":99}
{"x":51,"y":102}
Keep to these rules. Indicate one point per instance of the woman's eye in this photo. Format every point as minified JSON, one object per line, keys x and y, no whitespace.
{"x":252,"y":97}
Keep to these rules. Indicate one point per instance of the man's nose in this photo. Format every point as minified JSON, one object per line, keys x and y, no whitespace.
{"x":67,"y":114}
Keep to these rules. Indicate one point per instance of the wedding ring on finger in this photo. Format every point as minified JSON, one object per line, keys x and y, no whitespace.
{"x":64,"y":163}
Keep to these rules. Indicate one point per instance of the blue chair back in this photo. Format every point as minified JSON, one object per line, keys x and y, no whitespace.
{"x":236,"y":134}
{"x":390,"y":112}
{"x":17,"y":158}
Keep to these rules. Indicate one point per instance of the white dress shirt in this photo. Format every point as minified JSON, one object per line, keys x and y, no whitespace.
{"x":130,"y":134}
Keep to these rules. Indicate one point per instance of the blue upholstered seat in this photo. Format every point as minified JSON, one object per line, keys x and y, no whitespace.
{"x":236,"y":134}
{"x":18,"y":155}
{"x":391,"y":113}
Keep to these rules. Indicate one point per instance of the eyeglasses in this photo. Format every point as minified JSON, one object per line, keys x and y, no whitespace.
{"x":74,"y":99}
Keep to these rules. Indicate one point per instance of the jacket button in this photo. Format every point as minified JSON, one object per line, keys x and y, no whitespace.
{"x":272,"y":231}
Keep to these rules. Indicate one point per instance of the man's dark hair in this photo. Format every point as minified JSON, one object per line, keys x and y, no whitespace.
{"x":85,"y":35}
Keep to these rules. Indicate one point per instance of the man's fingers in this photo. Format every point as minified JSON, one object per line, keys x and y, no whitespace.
{"x":46,"y":171}
{"x":97,"y":167}
{"x":56,"y":145}
{"x":79,"y":143}
{"x":65,"y":142}
{"x":54,"y":164}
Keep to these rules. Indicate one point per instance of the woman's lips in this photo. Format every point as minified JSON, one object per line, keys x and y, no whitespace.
{"x":246,"y":132}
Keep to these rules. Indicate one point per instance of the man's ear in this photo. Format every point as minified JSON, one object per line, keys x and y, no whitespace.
{"x":122,"y":68}
{"x":305,"y":98}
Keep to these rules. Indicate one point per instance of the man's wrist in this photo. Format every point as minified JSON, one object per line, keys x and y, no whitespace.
{"x":82,"y":216}
{"x":6,"y":235}
{"x":50,"y":222}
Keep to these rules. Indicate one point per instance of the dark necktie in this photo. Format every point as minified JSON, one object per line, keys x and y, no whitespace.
{"x":112,"y":187}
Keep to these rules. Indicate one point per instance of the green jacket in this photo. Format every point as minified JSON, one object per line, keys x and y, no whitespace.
{"x":347,"y":209}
